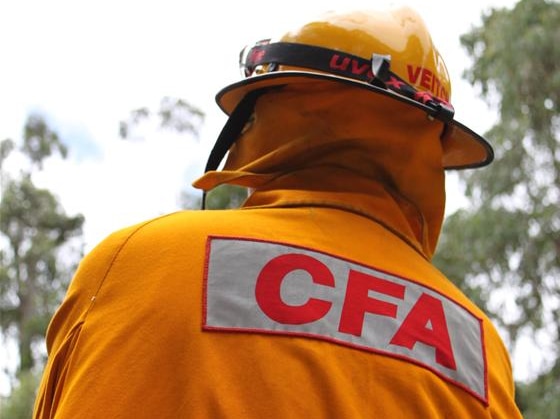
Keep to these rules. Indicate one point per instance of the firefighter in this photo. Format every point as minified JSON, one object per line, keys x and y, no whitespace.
{"x":317,"y":298}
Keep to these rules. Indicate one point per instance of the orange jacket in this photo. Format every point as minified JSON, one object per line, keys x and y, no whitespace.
{"x":316,"y":299}
{"x":131,"y":340}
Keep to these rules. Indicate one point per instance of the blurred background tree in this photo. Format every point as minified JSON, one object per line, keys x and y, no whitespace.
{"x":178,"y":115}
{"x":221,"y":197}
{"x":174,"y":114}
{"x":36,"y":257}
{"x":504,"y":249}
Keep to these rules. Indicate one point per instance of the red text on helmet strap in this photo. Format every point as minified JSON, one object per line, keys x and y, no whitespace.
{"x":425,"y":78}
{"x":273,"y":288}
{"x":420,"y":77}
{"x":347,"y":64}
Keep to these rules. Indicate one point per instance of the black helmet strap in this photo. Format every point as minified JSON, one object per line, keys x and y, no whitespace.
{"x":231,"y":132}
{"x":375,"y":71}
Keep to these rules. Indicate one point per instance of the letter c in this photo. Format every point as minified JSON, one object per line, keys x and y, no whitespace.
{"x":269,"y":282}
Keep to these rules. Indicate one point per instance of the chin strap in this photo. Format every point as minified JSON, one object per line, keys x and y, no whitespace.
{"x":231,"y":132}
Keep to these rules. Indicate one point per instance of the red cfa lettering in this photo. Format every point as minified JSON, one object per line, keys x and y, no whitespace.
{"x":424,"y":323}
{"x":358,"y":302}
{"x":264,"y":287}
{"x":269,"y":282}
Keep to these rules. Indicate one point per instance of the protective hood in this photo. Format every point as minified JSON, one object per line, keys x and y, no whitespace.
{"x":331,"y":139}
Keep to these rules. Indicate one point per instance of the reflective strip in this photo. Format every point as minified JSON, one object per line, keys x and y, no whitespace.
{"x":267,"y":287}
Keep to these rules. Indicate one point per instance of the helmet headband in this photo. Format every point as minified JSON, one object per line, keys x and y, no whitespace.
{"x":375,"y":71}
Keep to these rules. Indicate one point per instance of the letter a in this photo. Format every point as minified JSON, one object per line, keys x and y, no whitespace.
{"x":426,"y":323}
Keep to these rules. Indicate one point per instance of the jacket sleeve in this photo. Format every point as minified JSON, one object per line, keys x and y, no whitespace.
{"x":65,"y":326}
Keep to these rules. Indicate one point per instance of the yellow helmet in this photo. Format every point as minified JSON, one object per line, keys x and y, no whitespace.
{"x":389,"y":53}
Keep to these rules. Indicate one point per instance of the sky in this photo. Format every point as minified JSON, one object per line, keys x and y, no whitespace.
{"x":85,"y":65}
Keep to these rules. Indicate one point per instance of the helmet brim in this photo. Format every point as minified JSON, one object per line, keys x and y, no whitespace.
{"x":462,"y":147}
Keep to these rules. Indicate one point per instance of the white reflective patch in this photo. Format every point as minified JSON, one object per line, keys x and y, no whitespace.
{"x":257,"y":286}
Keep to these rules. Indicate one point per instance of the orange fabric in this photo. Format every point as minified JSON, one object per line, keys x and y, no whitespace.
{"x":127,"y":342}
{"x":323,"y":128}
{"x":128,"y":339}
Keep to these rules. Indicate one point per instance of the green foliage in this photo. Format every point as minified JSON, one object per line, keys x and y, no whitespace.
{"x":221,"y":197}
{"x":34,"y":226}
{"x":173,"y":114}
{"x":226,"y":196}
{"x":6,"y":148}
{"x":136,"y":117}
{"x":20,"y":403}
{"x":504,"y":250}
{"x":180,"y":116}
{"x":541,"y":398}
{"x":39,"y":141}
{"x":34,"y":233}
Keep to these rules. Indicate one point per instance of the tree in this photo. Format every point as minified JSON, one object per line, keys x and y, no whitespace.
{"x":35,"y":234}
{"x":540,"y":399}
{"x":178,"y":116}
{"x":504,"y":250}
{"x":174,"y":114}
{"x":20,"y":403}
{"x":221,"y":197}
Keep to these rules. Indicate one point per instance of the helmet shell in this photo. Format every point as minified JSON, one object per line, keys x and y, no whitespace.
{"x":400,"y":34}
{"x":353,"y":41}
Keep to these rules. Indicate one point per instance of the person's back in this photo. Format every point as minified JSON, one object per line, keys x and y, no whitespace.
{"x":299,"y":312}
{"x":316,"y":299}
